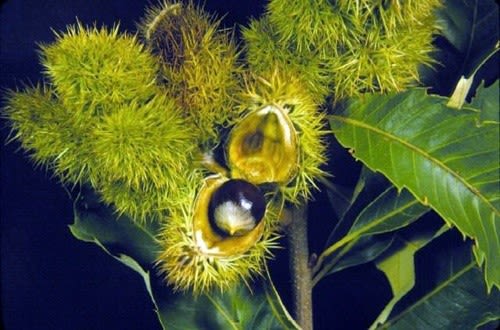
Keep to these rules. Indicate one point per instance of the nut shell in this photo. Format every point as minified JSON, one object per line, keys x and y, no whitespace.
{"x":263,"y":147}
{"x":208,"y":240}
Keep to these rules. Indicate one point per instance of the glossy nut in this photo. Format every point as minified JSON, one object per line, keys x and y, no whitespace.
{"x":236,"y":208}
{"x":263,"y":147}
{"x":217,"y":234}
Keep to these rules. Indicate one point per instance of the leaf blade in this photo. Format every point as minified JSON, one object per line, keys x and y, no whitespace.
{"x":471,"y":27}
{"x":458,"y":298}
{"x":438,"y":154}
{"x":391,"y":210}
{"x":276,"y":304}
{"x":486,"y":99}
{"x":399,"y":268}
{"x":388,"y":211}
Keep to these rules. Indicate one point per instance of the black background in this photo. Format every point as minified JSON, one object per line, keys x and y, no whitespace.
{"x":50,"y":280}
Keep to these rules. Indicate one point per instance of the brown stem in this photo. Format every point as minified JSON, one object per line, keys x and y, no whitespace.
{"x":299,"y":267}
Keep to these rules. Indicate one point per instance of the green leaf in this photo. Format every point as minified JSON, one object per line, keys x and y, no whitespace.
{"x":237,"y":309}
{"x":365,"y":249}
{"x":368,"y":187}
{"x":458,"y":300}
{"x":460,"y":303}
{"x":118,"y":234}
{"x":387,"y":212}
{"x":279,"y":310}
{"x":399,"y":268}
{"x":486,"y":100}
{"x":340,"y":198}
{"x":133,"y":245}
{"x":440,"y":155}
{"x":471,"y":26}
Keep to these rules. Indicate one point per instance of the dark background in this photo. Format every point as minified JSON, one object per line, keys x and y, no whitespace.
{"x":49,"y":279}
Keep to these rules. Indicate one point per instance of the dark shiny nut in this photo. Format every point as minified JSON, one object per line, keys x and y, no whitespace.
{"x":236,"y":208}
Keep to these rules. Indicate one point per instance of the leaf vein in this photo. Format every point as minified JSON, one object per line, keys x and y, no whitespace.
{"x":416,"y":150}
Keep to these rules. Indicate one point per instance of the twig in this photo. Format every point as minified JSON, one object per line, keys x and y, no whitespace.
{"x":300,"y":268}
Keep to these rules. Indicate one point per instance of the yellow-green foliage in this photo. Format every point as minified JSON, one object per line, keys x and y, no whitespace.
{"x":95,"y":69}
{"x":285,"y":90}
{"x":45,"y":129}
{"x":129,"y":118}
{"x":308,"y":25}
{"x":199,"y":63}
{"x":105,"y":121}
{"x":144,"y":152}
{"x":185,"y":267}
{"x":366,"y":46}
{"x":265,"y":53}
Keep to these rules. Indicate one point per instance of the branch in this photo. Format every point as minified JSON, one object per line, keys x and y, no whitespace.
{"x":299,"y":267}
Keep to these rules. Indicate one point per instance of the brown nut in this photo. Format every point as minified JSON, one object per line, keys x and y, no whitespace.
{"x":222,"y":229}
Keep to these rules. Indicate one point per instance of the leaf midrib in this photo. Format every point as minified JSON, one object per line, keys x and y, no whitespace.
{"x":380,"y":219}
{"x":356,"y":234}
{"x":223,"y":312}
{"x":472,"y":189}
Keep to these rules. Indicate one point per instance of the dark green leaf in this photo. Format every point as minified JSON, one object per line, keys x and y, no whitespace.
{"x":398,"y":265}
{"x":459,"y":300}
{"x":365,"y":249}
{"x":387,"y":212}
{"x":133,"y":245}
{"x":340,"y":199}
{"x":276,"y":305}
{"x":486,"y":100}
{"x":97,"y":223}
{"x":439,"y":154}
{"x":369,"y":186}
{"x":471,"y":26}
{"x":238,"y":309}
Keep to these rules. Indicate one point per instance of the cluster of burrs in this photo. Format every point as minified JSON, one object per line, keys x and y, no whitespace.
{"x":268,"y":132}
{"x":171,"y":125}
